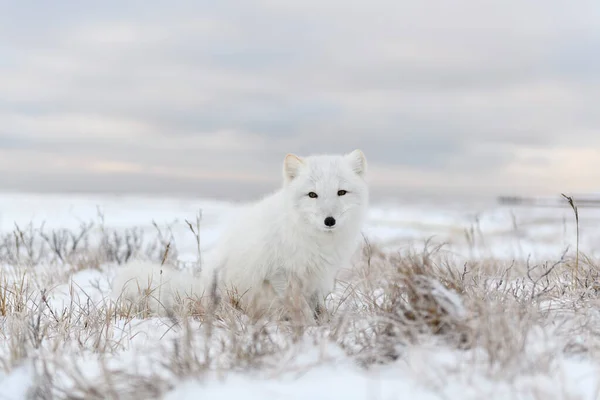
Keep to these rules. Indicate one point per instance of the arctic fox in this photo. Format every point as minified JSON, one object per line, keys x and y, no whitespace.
{"x":295,"y":239}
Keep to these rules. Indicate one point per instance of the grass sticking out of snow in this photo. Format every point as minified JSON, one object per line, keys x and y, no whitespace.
{"x":421,"y":322}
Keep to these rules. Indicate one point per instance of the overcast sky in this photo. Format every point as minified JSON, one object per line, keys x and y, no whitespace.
{"x":207,"y":97}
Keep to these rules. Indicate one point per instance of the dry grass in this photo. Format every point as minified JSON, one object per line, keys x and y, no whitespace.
{"x":508,"y":318}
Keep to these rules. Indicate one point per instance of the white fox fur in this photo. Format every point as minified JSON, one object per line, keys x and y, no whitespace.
{"x":280,"y":243}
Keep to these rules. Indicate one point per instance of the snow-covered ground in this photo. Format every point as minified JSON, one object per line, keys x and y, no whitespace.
{"x":524,"y":325}
{"x":487,"y":229}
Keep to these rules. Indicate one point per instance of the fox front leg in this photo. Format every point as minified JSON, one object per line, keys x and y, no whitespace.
{"x":317,"y":300}
{"x":317,"y":304}
{"x":292,"y":297}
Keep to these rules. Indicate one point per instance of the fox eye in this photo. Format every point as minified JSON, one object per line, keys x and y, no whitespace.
{"x":342,"y":192}
{"x":312,"y":195}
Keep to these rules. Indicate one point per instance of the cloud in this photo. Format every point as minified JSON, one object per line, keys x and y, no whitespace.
{"x":449,"y":97}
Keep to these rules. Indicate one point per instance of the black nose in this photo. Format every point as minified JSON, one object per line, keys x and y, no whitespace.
{"x":330,"y":221}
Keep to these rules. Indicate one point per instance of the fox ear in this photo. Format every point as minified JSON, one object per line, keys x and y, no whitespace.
{"x":357,"y":161}
{"x":291,"y":166}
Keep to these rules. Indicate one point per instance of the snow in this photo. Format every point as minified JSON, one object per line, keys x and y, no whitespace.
{"x":16,"y":384}
{"x":542,"y":231}
{"x":428,"y":376}
{"x":308,"y":369}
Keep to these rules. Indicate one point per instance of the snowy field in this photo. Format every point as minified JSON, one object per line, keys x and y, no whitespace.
{"x":446,"y":301}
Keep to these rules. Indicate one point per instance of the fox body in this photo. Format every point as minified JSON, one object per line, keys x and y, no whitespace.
{"x":293,"y":241}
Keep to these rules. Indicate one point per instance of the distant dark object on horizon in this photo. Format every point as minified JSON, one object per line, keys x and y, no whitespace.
{"x":583,"y":201}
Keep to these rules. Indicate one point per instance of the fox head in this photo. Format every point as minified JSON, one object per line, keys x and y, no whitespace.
{"x":327,"y":192}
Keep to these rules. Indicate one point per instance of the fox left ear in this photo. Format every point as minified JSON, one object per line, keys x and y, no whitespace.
{"x":357,"y":161}
{"x":291,"y":167}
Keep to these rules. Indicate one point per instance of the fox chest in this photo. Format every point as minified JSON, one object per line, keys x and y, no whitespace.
{"x":304,"y":258}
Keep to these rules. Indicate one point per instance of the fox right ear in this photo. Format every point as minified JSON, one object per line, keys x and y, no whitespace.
{"x":291,"y":167}
{"x":358,"y":162}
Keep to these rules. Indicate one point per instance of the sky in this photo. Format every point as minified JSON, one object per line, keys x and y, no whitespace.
{"x":206,"y":98}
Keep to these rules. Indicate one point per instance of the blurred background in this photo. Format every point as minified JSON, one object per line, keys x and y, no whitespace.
{"x":204,"y":98}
